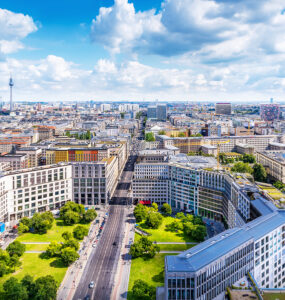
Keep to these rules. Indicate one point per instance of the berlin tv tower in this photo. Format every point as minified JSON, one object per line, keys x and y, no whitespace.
{"x":11,"y":84}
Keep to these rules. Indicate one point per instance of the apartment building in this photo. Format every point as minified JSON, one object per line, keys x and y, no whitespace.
{"x":34,"y":155}
{"x":274,"y":163}
{"x":16,"y":161}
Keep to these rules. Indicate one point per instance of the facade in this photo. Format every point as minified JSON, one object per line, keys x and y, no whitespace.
{"x":34,"y":155}
{"x":274,"y":163}
{"x":17,"y":161}
{"x":223,"y":108}
{"x":161,"y":112}
{"x":151,"y":112}
{"x":269,"y":112}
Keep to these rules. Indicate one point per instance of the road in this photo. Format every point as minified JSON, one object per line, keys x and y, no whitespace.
{"x":103,"y":261}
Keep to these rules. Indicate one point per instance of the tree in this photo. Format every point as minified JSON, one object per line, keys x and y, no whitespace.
{"x":181,"y":134}
{"x":143,"y":291}
{"x":79,"y":208}
{"x":140,"y":212}
{"x":89,"y":216}
{"x":16,"y":248}
{"x":222,"y":158}
{"x":174,"y":226}
{"x":279,"y":185}
{"x":67,"y":235}
{"x":248,"y":158}
{"x":180,"y":215}
{"x":154,"y":206}
{"x":149,"y":137}
{"x":188,"y":228}
{"x":14,"y":262}
{"x":68,"y":256}
{"x":153,"y":220}
{"x":45,"y":288}
{"x":79,"y":232}
{"x":67,"y":133}
{"x":41,"y":222}
{"x":161,"y":132}
{"x":166,"y":209}
{"x":199,"y":233}
{"x":259,"y":172}
{"x":26,"y":221}
{"x":71,"y":217}
{"x":14,"y":290}
{"x":71,"y":243}
{"x":28,"y":282}
{"x":22,"y":228}
{"x":3,"y":268}
{"x":122,"y":115}
{"x":53,"y":249}
{"x":88,"y":135}
{"x":143,"y":247}
{"x":241,"y":167}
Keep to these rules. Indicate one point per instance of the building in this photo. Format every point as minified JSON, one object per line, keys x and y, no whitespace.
{"x":34,"y":155}
{"x":274,"y":163}
{"x":17,"y":161}
{"x":269,"y":112}
{"x":206,"y":270}
{"x":161,"y":112}
{"x":151,"y":112}
{"x":223,"y":108}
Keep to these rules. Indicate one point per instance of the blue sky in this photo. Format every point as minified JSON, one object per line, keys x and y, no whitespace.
{"x":195,"y":50}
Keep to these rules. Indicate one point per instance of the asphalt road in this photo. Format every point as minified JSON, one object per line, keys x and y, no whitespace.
{"x":103,"y":261}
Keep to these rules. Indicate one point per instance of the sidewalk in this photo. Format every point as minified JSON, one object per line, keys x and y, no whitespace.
{"x":75,"y":271}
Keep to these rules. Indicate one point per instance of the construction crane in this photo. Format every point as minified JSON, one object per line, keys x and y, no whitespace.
{"x":209,"y":143}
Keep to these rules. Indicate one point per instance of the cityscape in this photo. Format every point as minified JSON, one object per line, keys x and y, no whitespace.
{"x":142,"y":150}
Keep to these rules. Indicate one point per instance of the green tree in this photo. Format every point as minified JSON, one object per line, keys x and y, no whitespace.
{"x":53,"y":249}
{"x":143,"y":291}
{"x":140,"y":212}
{"x":279,"y":185}
{"x":79,"y":208}
{"x":122,"y":115}
{"x":161,"y":132}
{"x":26,"y":221}
{"x":14,"y":290}
{"x":42,"y":222}
{"x":71,"y":217}
{"x":180,"y":215}
{"x":222,"y":158}
{"x":248,"y":158}
{"x":153,"y":220}
{"x":79,"y":232}
{"x":174,"y":226}
{"x":3,"y":269}
{"x":68,"y":256}
{"x":89,"y":216}
{"x":22,"y":228}
{"x":199,"y":233}
{"x":154,"y":206}
{"x":241,"y":167}
{"x":67,"y":133}
{"x":45,"y":288}
{"x":181,"y":134}
{"x":188,"y":228}
{"x":71,"y":243}
{"x":259,"y":172}
{"x":67,"y":235}
{"x":143,"y":247}
{"x":16,"y":248}
{"x":28,"y":283}
{"x":166,"y":209}
{"x":14,"y":262}
{"x":149,"y":137}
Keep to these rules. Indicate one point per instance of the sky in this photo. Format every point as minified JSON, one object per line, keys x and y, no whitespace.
{"x":143,"y":50}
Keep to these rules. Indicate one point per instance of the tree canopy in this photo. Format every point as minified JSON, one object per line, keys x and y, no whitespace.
{"x":143,"y":291}
{"x":259,"y":172}
{"x":143,"y":247}
{"x":149,"y":137}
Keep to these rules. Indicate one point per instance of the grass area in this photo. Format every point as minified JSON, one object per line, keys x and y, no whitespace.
{"x":161,"y":235}
{"x":174,"y":247}
{"x":36,"y":247}
{"x":54,"y":234}
{"x":149,"y":270}
{"x":35,"y":266}
{"x":273,"y":296}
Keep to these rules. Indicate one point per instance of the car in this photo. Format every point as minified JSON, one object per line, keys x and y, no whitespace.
{"x":115,"y":244}
{"x":91,"y":285}
{"x":87,"y":297}
{"x":94,"y":245}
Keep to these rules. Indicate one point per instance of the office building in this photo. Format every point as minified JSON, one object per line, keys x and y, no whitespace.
{"x":161,"y":112}
{"x":151,"y":112}
{"x":223,"y":108}
{"x":269,"y":112}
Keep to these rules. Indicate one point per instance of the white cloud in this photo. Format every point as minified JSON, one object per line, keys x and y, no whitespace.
{"x":13,"y":28}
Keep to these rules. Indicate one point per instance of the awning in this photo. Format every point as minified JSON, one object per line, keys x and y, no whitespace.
{"x":144,"y":202}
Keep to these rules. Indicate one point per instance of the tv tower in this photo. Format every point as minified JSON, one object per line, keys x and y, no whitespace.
{"x":11,"y":84}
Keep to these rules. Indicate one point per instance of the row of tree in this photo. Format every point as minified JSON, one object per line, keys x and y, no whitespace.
{"x":151,"y":216}
{"x":191,"y":226}
{"x":39,"y":223}
{"x":72,"y":213}
{"x":246,"y":158}
{"x":258,"y":171}
{"x":82,"y":136}
{"x":43,"y":288}
{"x":10,"y":258}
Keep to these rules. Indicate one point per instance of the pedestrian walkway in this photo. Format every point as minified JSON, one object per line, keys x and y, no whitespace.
{"x":34,"y":251}
{"x":177,"y":243}
{"x":170,"y":252}
{"x":36,"y":243}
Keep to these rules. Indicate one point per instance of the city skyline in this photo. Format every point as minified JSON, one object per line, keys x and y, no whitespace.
{"x":134,"y":50}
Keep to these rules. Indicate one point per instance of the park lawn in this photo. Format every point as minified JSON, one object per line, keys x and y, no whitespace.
{"x":150,"y":270}
{"x":54,"y":234}
{"x":273,"y":296}
{"x":174,"y":247}
{"x":35,"y":266}
{"x":161,"y":235}
{"x":36,"y":247}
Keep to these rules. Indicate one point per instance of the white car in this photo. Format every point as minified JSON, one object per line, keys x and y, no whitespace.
{"x":91,"y":285}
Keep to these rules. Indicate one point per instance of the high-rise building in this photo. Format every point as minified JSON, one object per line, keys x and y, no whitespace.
{"x":161,"y":112}
{"x":151,"y":112}
{"x":11,"y":84}
{"x":269,"y":112}
{"x":223,"y":108}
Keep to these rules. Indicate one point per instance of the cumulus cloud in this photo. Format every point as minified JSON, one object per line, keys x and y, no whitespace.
{"x":13,"y":28}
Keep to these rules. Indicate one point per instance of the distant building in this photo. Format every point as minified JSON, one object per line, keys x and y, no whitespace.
{"x":161,"y":112}
{"x":269,"y":112}
{"x":223,"y":108}
{"x":151,"y":112}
